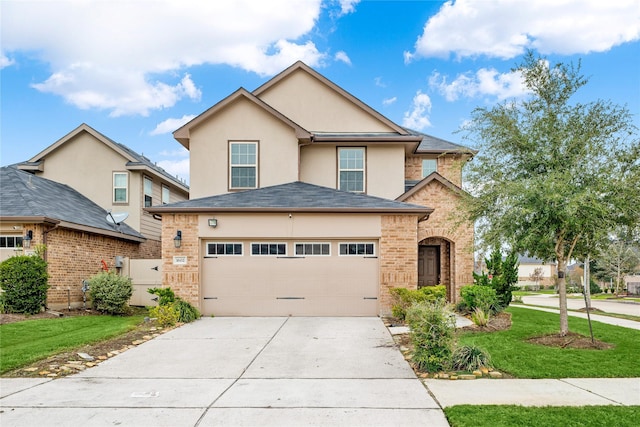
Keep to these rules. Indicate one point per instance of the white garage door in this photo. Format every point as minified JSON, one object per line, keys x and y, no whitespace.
{"x":249,"y":278}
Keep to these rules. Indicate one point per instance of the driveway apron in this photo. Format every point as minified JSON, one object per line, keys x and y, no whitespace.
{"x":275,"y":371}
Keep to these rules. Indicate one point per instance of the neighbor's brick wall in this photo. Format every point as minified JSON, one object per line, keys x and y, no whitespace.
{"x":449,"y":166}
{"x":183,"y":279}
{"x":151,"y":249}
{"x":441,"y":224}
{"x":398,"y":254}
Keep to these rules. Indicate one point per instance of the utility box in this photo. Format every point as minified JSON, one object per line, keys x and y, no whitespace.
{"x":119,"y":261}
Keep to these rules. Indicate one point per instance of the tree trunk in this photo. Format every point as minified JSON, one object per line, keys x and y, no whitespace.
{"x":562,"y":292}
{"x":587,"y":283}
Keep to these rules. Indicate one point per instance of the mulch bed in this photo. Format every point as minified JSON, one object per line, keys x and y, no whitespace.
{"x":497,"y":322}
{"x":13,"y":317}
{"x":570,"y":340}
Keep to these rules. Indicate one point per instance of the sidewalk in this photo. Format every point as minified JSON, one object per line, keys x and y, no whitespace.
{"x":538,"y":392}
{"x":625,"y":323}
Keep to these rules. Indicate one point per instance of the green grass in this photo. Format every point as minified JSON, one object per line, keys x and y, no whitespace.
{"x":515,"y":416}
{"x":511,"y":354}
{"x":22,"y":343}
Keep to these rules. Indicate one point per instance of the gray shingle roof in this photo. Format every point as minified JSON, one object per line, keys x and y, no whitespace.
{"x":431,"y":144}
{"x":294,"y":196}
{"x":25,"y":195}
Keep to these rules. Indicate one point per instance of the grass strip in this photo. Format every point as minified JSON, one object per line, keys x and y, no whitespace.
{"x":22,"y":343}
{"x":511,"y":353}
{"x":565,"y":416}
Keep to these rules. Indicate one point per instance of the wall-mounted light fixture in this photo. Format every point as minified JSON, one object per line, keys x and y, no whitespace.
{"x":26,"y":240}
{"x":213,"y":222}
{"x":177,"y":241}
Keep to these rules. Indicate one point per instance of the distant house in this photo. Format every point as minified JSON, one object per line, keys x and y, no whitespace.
{"x":306,"y":201}
{"x":531,"y":268}
{"x":632,"y":284}
{"x":79,"y":236}
{"x":113,"y":176}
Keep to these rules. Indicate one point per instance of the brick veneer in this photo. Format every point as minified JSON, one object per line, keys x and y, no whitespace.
{"x":398,"y":257}
{"x":449,"y":166}
{"x":183,"y":279}
{"x":73,"y":256}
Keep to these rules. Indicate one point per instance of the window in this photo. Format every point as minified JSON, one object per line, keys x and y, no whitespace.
{"x":429,"y":166}
{"x":224,"y":248}
{"x":166,"y":195}
{"x":120,"y":187}
{"x":351,"y":169}
{"x":313,"y":248}
{"x":269,"y":249}
{"x":10,"y":242}
{"x":148,"y":192}
{"x":357,"y":248}
{"x":243,"y":165}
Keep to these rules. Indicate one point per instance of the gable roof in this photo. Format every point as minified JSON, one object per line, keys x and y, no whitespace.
{"x":293,"y":197}
{"x":26,"y":197}
{"x":433,"y":176}
{"x":433,"y":145}
{"x":182,"y":134}
{"x":135,"y":161}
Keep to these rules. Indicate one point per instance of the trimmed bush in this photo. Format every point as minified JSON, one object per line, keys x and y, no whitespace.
{"x":469,"y":358}
{"x":184,"y":312}
{"x":23,"y":279}
{"x":110,"y":293}
{"x":477,"y":296}
{"x":403,"y":298}
{"x":432,"y":335}
{"x":165,"y":315}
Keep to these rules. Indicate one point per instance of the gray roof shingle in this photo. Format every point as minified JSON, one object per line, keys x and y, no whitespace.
{"x":25,"y":195}
{"x":294,"y":196}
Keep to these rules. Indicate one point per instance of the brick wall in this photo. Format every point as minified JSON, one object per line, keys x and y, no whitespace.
{"x":398,"y":257}
{"x":183,"y":279}
{"x":449,"y":166}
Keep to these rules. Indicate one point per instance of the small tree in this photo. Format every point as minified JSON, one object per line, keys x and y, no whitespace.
{"x":617,"y":259}
{"x":537,"y":276}
{"x":23,"y":279}
{"x":502,"y":275}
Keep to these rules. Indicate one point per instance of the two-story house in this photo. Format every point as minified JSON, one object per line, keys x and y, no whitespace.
{"x":306,"y":201}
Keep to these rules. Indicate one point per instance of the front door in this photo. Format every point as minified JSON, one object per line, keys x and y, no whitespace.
{"x":428,"y":266}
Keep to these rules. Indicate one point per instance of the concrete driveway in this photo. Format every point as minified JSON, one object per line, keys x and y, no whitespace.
{"x":237,"y":372}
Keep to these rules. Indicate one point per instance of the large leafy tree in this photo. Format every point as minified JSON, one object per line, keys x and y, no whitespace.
{"x":552,"y":176}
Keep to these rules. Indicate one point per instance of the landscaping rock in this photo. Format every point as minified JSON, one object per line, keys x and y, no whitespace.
{"x":477,"y":373}
{"x":466,"y":377}
{"x":86,"y":356}
{"x":137,"y":342}
{"x":495,"y":374}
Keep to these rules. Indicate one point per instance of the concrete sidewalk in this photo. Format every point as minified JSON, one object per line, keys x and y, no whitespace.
{"x":624,"y":323}
{"x":542,"y":392}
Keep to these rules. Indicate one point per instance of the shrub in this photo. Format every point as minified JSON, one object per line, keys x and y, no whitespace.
{"x":402,"y":298}
{"x":110,"y":292}
{"x":165,"y":315}
{"x":166,"y":296}
{"x":186,"y":312}
{"x":24,"y":282}
{"x":432,"y":333}
{"x":483,"y":297}
{"x":470,"y":358}
{"x":480,"y":317}
{"x":594,"y":288}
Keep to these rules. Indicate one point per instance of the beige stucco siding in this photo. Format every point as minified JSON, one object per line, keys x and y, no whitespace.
{"x":241,"y":121}
{"x":317,"y":108}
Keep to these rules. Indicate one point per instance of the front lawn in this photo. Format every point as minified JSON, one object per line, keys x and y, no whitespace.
{"x":514,"y":416}
{"x":22,"y":343}
{"x":511,"y":353}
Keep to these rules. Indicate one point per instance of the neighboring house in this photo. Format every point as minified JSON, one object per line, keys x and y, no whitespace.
{"x":113,"y":176}
{"x":306,"y":201}
{"x":78,"y":236}
{"x":530,"y":267}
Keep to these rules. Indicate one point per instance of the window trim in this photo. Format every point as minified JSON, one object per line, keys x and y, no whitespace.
{"x":295,"y":249}
{"x":217,"y":242}
{"x":15,"y":237}
{"x":374,"y":254}
{"x":363,"y":170}
{"x":114,"y":188}
{"x":434,"y":170}
{"x":162,"y":200}
{"x":146,"y":179}
{"x":286,"y":249}
{"x":231,"y":165}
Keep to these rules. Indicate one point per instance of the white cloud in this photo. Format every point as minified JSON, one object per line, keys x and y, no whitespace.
{"x":506,"y":28}
{"x":5,"y":61}
{"x":389,"y":101}
{"x":125,"y":56}
{"x":342,"y":56}
{"x":171,"y":125}
{"x":418,"y":117}
{"x":177,"y":167}
{"x":180,"y":152}
{"x":348,"y":6}
{"x":378,"y":81}
{"x":484,"y":82}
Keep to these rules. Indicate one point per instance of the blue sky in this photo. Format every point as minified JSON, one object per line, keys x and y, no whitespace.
{"x":136,"y":70}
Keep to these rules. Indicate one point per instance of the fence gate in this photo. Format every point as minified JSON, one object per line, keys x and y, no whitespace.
{"x":145,"y":274}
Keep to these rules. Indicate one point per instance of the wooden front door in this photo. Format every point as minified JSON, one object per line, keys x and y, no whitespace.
{"x":428,"y":266}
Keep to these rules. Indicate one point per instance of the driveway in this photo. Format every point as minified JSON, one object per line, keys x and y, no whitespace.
{"x":238,"y":372}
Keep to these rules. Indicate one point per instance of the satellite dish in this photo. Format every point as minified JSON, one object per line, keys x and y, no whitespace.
{"x":117,"y":218}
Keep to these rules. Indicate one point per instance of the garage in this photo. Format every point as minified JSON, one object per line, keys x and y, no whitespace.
{"x":300,"y":277}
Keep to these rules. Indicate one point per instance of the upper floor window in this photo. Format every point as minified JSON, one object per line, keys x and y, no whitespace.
{"x":429,"y":166}
{"x":10,"y":242}
{"x":120,"y":187}
{"x":148,"y":192}
{"x":243,"y":165}
{"x":351,"y":163}
{"x":166,"y":195}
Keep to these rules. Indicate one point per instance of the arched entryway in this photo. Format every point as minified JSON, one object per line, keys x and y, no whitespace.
{"x":435,"y":264}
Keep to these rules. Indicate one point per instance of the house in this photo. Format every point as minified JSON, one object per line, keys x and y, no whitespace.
{"x":535,"y":272}
{"x":306,"y":201}
{"x":113,"y":176}
{"x":79,"y":235}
